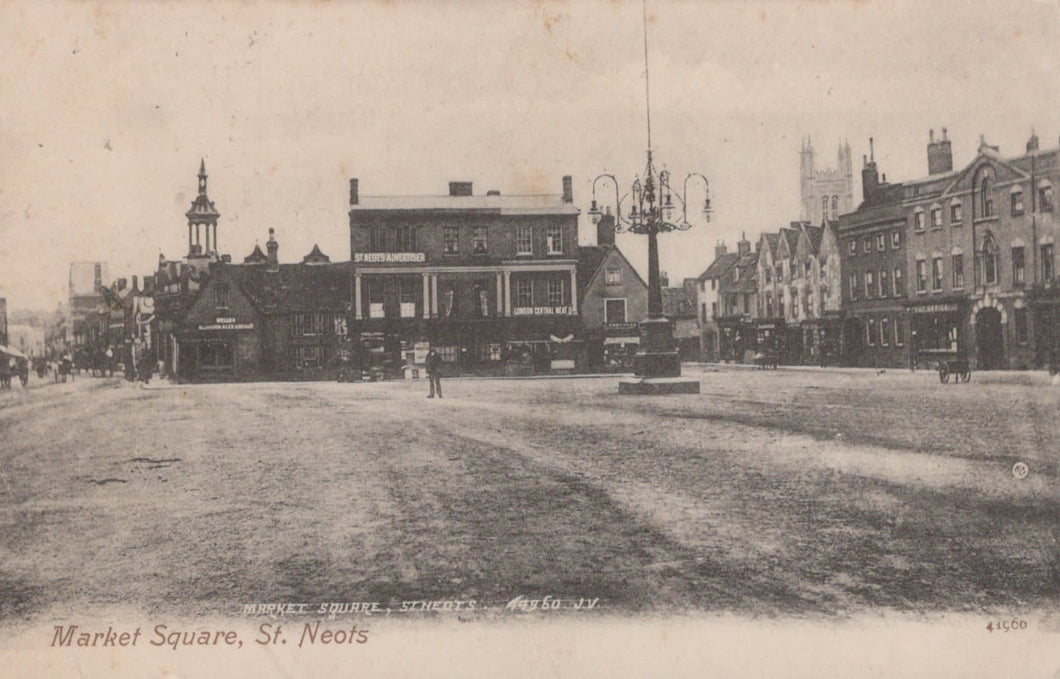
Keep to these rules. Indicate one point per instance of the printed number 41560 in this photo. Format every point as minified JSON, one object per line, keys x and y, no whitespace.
{"x":1006,"y":625}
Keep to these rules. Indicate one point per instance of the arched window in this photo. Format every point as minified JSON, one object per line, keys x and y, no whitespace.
{"x":989,"y":257}
{"x":835,"y":203}
{"x":986,"y":201}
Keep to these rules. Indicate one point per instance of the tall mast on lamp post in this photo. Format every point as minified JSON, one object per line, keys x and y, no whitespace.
{"x":651,"y":210}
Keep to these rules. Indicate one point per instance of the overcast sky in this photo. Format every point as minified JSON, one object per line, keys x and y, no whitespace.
{"x":107,"y":108}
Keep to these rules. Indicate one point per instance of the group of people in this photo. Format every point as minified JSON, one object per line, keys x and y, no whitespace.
{"x":10,"y":367}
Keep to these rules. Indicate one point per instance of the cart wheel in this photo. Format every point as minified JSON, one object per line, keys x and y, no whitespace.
{"x":966,"y":375}
{"x":944,"y":373}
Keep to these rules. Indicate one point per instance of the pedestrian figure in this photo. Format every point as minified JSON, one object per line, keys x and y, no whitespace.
{"x":434,"y":374}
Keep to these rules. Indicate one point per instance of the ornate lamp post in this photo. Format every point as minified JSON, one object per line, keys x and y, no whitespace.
{"x":651,"y":211}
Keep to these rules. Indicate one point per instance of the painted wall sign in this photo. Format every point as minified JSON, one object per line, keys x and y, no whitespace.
{"x":388,"y":257}
{"x":542,"y":310}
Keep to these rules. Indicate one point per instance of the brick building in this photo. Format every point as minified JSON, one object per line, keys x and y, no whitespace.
{"x":872,"y":247}
{"x":489,"y":280}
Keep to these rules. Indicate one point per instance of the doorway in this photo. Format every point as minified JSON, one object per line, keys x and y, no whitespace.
{"x":989,"y":342}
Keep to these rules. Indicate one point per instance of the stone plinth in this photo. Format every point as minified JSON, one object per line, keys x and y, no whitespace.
{"x":657,"y":386}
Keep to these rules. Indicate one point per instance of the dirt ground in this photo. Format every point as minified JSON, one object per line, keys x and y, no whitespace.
{"x":772,"y":493}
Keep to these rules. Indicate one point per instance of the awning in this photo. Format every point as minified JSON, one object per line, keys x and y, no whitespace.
{"x":11,"y":351}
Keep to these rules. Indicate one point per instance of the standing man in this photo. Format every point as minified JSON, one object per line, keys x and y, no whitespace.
{"x":434,"y":374}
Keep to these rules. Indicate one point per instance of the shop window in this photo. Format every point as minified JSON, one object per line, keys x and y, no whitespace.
{"x":615,"y":311}
{"x":957,"y":262}
{"x":554,"y":238}
{"x":1018,"y":268}
{"x":1048,"y":265}
{"x":448,"y":354}
{"x":306,"y":357}
{"x":921,"y":276}
{"x":524,"y":240}
{"x":524,"y":293}
{"x":613,"y":276}
{"x":221,"y":295}
{"x":215,"y":355}
{"x":936,"y":274}
{"x":1019,"y":315}
{"x":451,"y":240}
{"x":479,"y":239}
{"x":409,"y":293}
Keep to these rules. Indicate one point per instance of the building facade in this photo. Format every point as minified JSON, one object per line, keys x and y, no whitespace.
{"x":489,"y":281}
{"x":708,"y":301}
{"x":872,"y":246}
{"x":613,"y":303}
{"x":981,"y":253}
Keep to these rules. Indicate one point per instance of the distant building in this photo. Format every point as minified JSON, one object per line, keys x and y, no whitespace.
{"x":825,"y":193}
{"x":490,"y":280}
{"x":86,"y":279}
{"x":3,"y":321}
{"x":613,"y":301}
{"x":738,"y":305}
{"x":679,"y":306}
{"x":707,"y":300}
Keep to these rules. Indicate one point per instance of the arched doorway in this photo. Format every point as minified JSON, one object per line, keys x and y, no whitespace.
{"x":989,"y":343}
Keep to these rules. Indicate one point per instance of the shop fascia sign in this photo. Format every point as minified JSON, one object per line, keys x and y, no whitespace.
{"x":226,"y":323}
{"x":542,"y":311}
{"x":389,"y":257}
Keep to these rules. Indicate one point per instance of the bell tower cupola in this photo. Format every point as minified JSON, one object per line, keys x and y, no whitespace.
{"x":202,"y":217}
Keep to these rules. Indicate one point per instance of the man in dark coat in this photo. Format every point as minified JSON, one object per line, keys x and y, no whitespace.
{"x":434,"y":374}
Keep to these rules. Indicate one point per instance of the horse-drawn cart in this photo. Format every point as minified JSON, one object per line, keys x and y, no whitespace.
{"x":950,"y":364}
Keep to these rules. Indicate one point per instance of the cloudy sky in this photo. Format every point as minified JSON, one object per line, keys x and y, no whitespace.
{"x":107,"y":108}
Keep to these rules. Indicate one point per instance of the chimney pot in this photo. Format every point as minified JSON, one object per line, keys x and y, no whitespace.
{"x":568,"y":189}
{"x":459,"y":189}
{"x":354,"y":197}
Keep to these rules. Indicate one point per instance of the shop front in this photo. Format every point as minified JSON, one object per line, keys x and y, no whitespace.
{"x":938,"y":330}
{"x":219,"y":351}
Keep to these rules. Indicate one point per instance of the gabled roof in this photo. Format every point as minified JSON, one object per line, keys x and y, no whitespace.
{"x":1005,"y":170}
{"x":591,"y":259}
{"x":294,"y":287}
{"x":719,"y":266}
{"x":814,"y":235}
{"x":315,"y":256}
{"x":255,"y":257}
{"x":672,"y":298}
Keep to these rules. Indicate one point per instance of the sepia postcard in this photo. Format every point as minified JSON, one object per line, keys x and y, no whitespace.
{"x":547,"y":338}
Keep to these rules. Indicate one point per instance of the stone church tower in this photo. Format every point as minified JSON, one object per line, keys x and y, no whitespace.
{"x":825,"y":194}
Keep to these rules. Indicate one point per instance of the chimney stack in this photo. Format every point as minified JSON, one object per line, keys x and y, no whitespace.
{"x":743,"y":246}
{"x":459,"y":189}
{"x":568,"y":189}
{"x":940,"y":155}
{"x":720,"y":250}
{"x":664,"y":280}
{"x":122,"y":282}
{"x":354,"y":197}
{"x":870,"y":178}
{"x":272,"y":263}
{"x":1032,"y":143}
{"x":605,"y":228}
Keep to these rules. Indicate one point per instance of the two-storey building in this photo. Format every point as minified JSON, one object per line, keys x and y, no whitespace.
{"x":490,"y":280}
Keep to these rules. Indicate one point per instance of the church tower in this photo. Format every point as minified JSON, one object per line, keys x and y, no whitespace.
{"x":202,"y":217}
{"x":825,"y":194}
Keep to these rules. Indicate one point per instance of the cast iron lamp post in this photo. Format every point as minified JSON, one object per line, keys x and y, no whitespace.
{"x":651,"y":212}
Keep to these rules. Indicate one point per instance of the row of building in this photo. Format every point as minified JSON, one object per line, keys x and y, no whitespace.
{"x":957,"y":263}
{"x":960,"y":262}
{"x":498,"y":284}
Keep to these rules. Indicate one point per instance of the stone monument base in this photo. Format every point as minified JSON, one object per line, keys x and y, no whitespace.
{"x":654,"y":386}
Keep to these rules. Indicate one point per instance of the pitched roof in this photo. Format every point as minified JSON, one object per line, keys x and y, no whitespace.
{"x":719,"y":266}
{"x":590,"y":259}
{"x":295,"y":287}
{"x":814,"y":234}
{"x":315,"y":256}
{"x":672,"y":299}
{"x":496,"y":204}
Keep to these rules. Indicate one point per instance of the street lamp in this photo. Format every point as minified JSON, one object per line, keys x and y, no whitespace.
{"x":651,"y":211}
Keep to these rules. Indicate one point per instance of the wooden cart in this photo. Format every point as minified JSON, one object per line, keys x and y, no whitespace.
{"x":950,"y":364}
